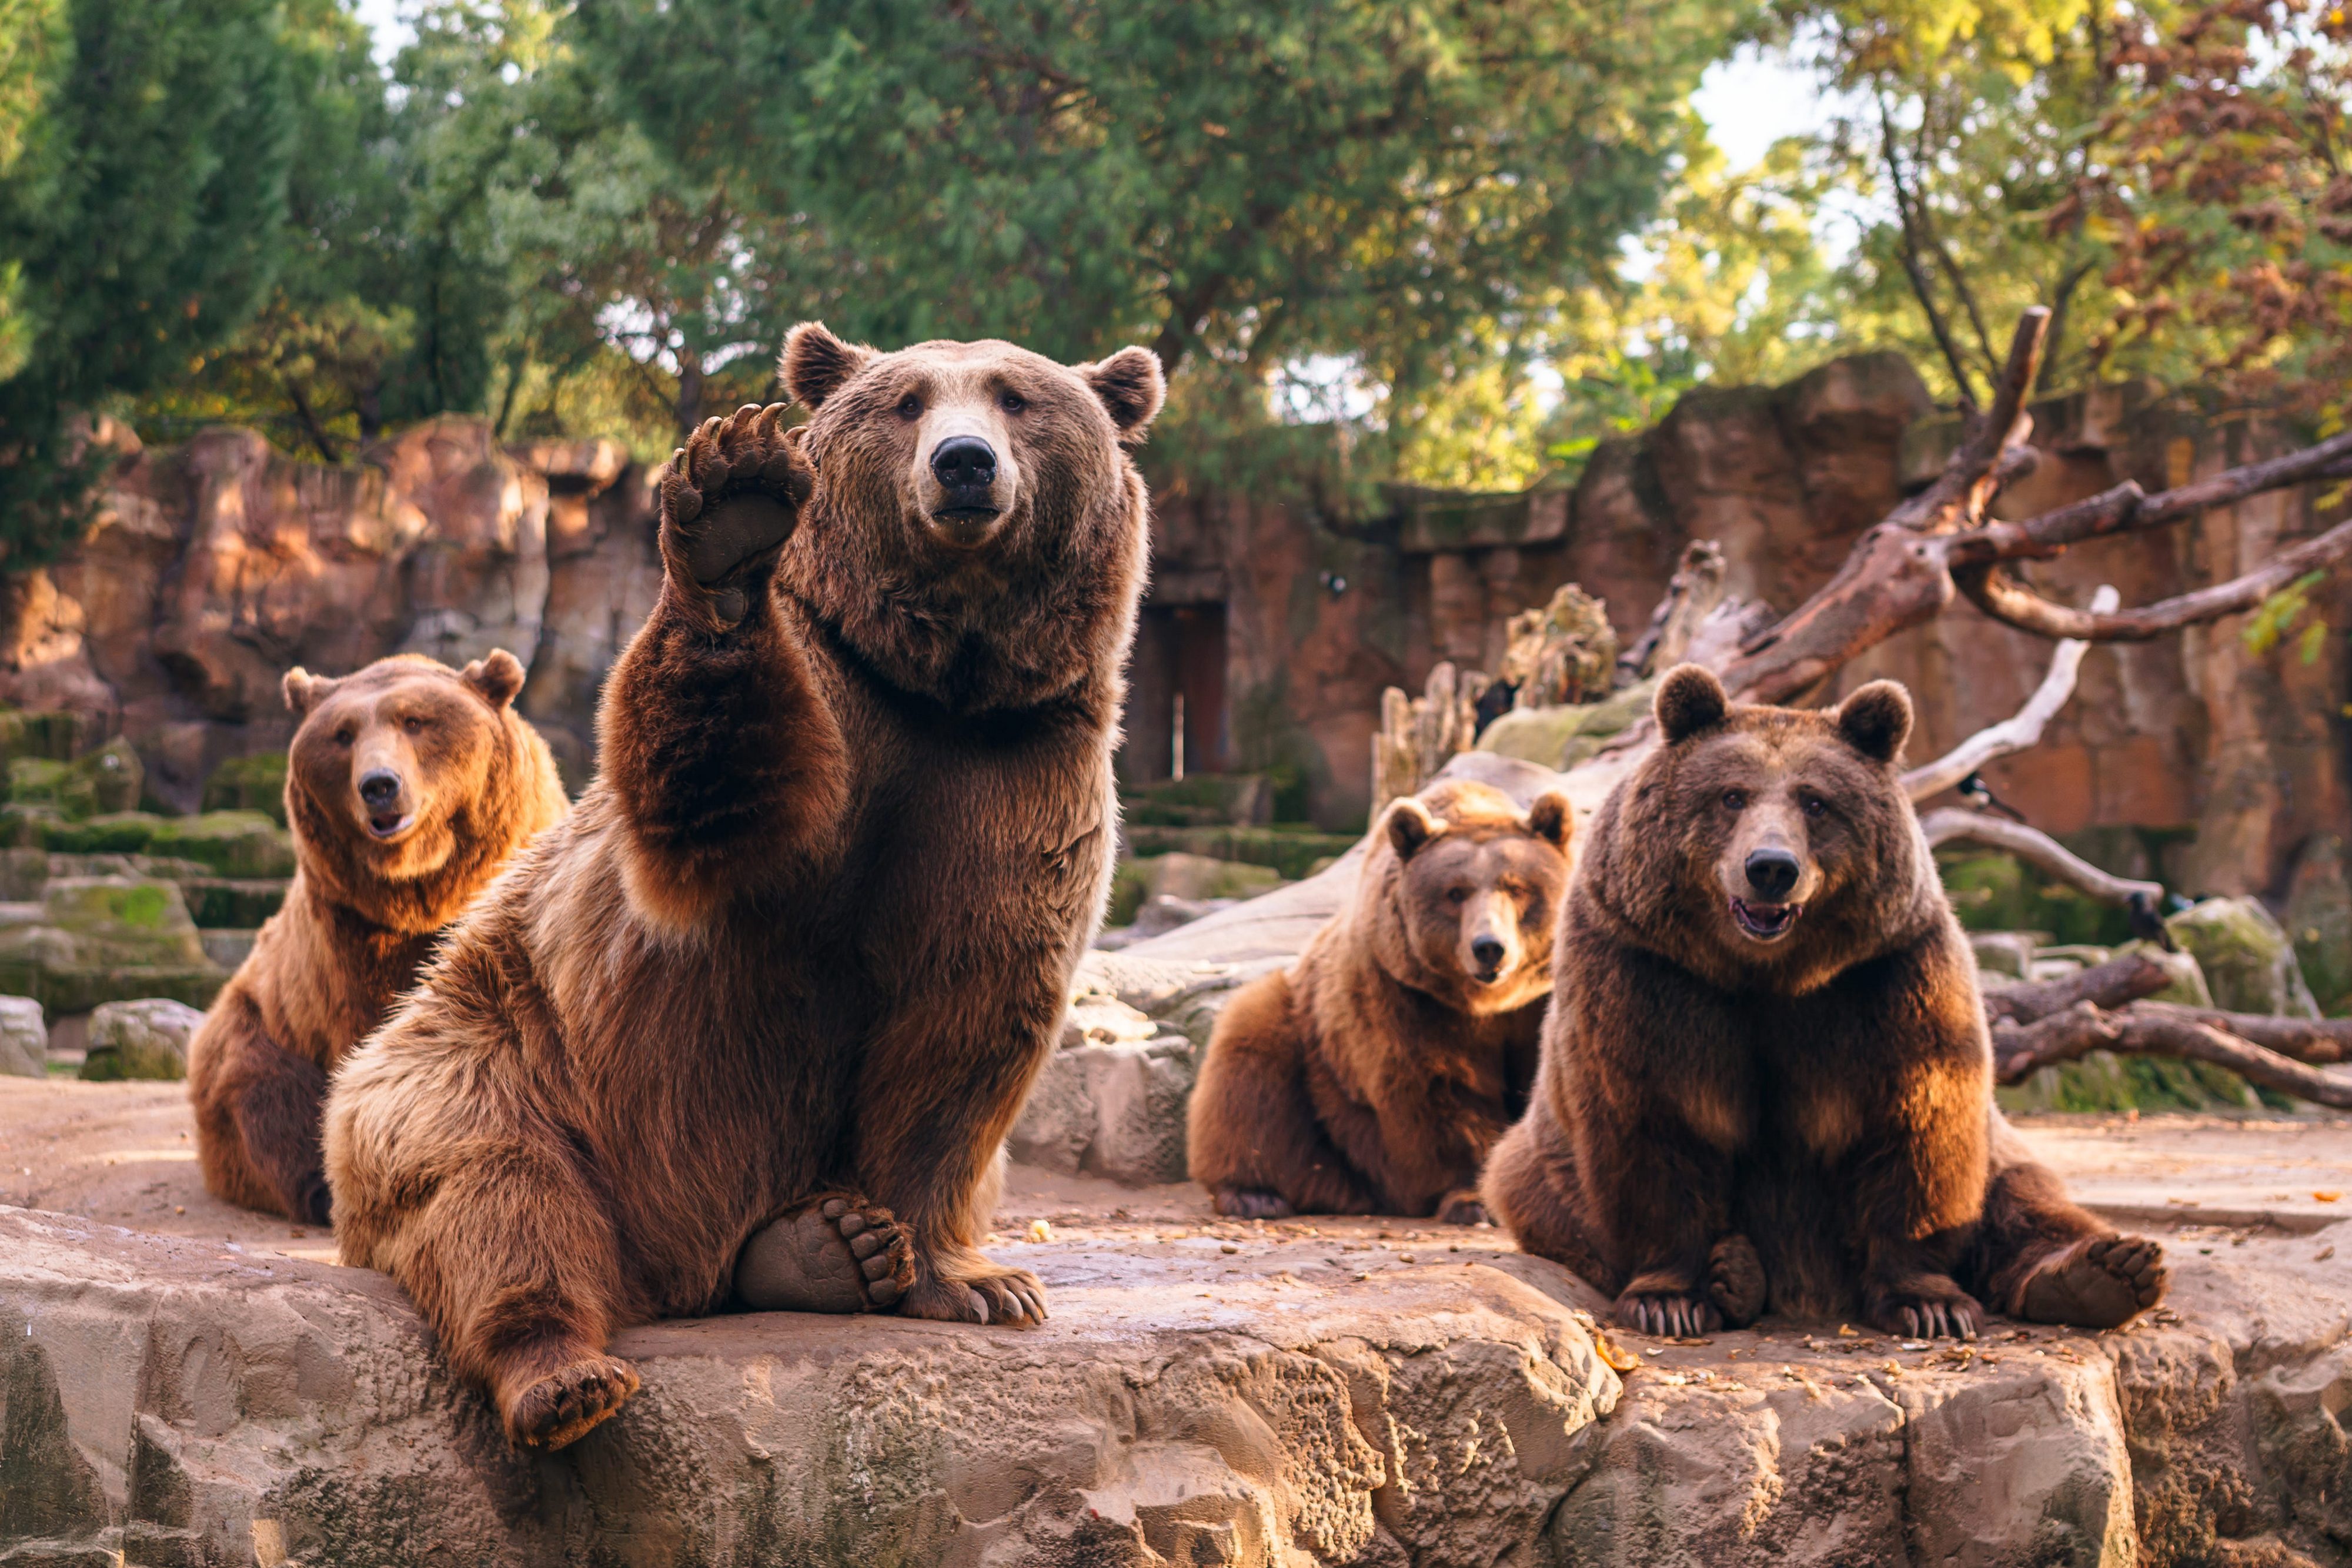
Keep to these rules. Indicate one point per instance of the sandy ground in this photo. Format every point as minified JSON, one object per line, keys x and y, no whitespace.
{"x":124,"y":1153}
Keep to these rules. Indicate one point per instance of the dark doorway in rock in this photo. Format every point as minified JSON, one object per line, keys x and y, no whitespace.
{"x":1176,"y":719}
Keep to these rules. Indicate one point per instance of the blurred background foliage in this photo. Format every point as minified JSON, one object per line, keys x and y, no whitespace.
{"x":1453,"y":243}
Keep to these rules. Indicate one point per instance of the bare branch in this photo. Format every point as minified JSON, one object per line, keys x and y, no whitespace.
{"x":2036,"y":849}
{"x":1959,"y":494}
{"x":2108,"y":985}
{"x":2022,"y":1049}
{"x":2313,"y":1041}
{"x":2006,"y":599}
{"x":2018,"y":733}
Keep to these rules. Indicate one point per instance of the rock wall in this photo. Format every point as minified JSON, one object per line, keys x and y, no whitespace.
{"x":217,"y":564}
{"x":2193,"y":757}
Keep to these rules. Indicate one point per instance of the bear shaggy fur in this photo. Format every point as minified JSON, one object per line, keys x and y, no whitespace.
{"x":409,"y":786}
{"x":1766,"y":1079}
{"x":1375,"y":1074}
{"x":799,"y":951}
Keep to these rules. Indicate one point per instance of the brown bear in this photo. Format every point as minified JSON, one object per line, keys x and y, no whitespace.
{"x":409,"y":786}
{"x":1766,"y":1052}
{"x":801,"y":947}
{"x":1373,"y":1075}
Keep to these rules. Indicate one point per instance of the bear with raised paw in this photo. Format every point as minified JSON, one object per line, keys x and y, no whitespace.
{"x":1373,"y":1075}
{"x":408,"y":786}
{"x":1767,"y":1081}
{"x":794,"y":959}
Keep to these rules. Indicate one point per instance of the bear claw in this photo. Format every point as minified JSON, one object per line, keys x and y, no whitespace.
{"x":563,"y":1406}
{"x":1667,"y":1315}
{"x":2095,"y":1283}
{"x":729,"y":496}
{"x":1939,"y":1314}
{"x":838,"y":1254}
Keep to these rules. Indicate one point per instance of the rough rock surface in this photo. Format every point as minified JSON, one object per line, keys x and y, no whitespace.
{"x":105,"y":938}
{"x":2248,"y":961}
{"x":1111,"y":1102}
{"x":23,"y":1038}
{"x":1204,"y":1393}
{"x":144,"y":1038}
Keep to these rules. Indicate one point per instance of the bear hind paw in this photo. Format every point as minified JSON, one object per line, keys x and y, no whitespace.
{"x":838,"y":1253}
{"x":1735,"y":1281}
{"x":2096,"y":1284}
{"x":1251,"y":1203}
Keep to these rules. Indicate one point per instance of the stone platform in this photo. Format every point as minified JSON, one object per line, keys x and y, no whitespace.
{"x":1207,"y":1391}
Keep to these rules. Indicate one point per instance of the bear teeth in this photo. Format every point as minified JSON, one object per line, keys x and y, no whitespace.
{"x":1765,"y":921}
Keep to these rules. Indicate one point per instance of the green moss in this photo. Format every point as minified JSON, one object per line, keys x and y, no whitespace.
{"x":1287,"y":850}
{"x":1993,"y":891}
{"x":255,"y":783}
{"x":115,"y":833}
{"x":2101,"y":1080}
{"x":233,"y":843}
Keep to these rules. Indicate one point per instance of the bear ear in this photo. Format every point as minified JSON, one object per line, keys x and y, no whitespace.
{"x":816,"y":364}
{"x":304,"y":690}
{"x":1876,"y":720}
{"x":1410,"y":826}
{"x":1552,"y":817}
{"x":1689,"y":699}
{"x":498,"y":676}
{"x":1131,"y":389}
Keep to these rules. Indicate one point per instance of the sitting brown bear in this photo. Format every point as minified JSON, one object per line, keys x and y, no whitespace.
{"x":1768,"y":1051}
{"x":409,"y":786}
{"x":1375,"y":1074}
{"x":806,"y":942}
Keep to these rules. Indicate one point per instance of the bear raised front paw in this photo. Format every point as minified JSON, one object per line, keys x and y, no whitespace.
{"x":729,"y":499}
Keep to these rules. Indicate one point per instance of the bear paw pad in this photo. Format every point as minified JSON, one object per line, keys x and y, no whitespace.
{"x":731,"y":493}
{"x":2096,"y":1284}
{"x":838,"y":1254}
{"x":561,"y":1407}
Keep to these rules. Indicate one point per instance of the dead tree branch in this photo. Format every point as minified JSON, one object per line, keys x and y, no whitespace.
{"x":1905,"y":571}
{"x":2108,"y":985}
{"x":2037,"y":849}
{"x":2017,"y":733}
{"x":2144,"y":1029}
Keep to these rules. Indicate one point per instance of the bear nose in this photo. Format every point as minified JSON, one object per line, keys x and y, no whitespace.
{"x":379,"y":787}
{"x":1488,"y":952}
{"x":1772,"y":872}
{"x":964,"y":462}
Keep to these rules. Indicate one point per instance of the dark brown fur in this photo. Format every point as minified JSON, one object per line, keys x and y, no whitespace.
{"x":1825,"y":1093}
{"x":807,"y":939}
{"x":1373,"y":1075}
{"x":363,"y":912}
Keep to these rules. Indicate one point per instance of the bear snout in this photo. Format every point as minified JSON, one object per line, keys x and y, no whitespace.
{"x":383,"y":795}
{"x":1487,"y":953}
{"x":1772,"y":873}
{"x":967,"y":490}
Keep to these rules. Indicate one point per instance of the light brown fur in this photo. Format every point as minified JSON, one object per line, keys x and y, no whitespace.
{"x":1375,"y":1074}
{"x":474,"y":783}
{"x":806,"y":941}
{"x":1767,"y":1028}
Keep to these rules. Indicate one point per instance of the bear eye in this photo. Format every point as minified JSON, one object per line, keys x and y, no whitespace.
{"x":413,"y":726}
{"x":342,"y":737}
{"x":1735,"y":800}
{"x":1012,"y":402}
{"x":1814,"y":804}
{"x":910,"y":408}
{"x":1457,"y":895}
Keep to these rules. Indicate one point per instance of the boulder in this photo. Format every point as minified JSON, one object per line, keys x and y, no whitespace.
{"x":2000,"y":952}
{"x":2318,"y":918}
{"x":103,"y":939}
{"x":235,"y":903}
{"x":228,"y":947}
{"x":2248,"y":961}
{"x":144,"y":1038}
{"x":1111,"y":1102}
{"x":24,"y":1038}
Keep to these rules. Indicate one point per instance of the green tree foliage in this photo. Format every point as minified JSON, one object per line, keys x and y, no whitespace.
{"x":1236,"y":183}
{"x":138,"y":219}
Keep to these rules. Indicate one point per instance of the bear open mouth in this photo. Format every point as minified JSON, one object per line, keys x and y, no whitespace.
{"x":1765,"y":921}
{"x":966,"y":526}
{"x":392,"y":826}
